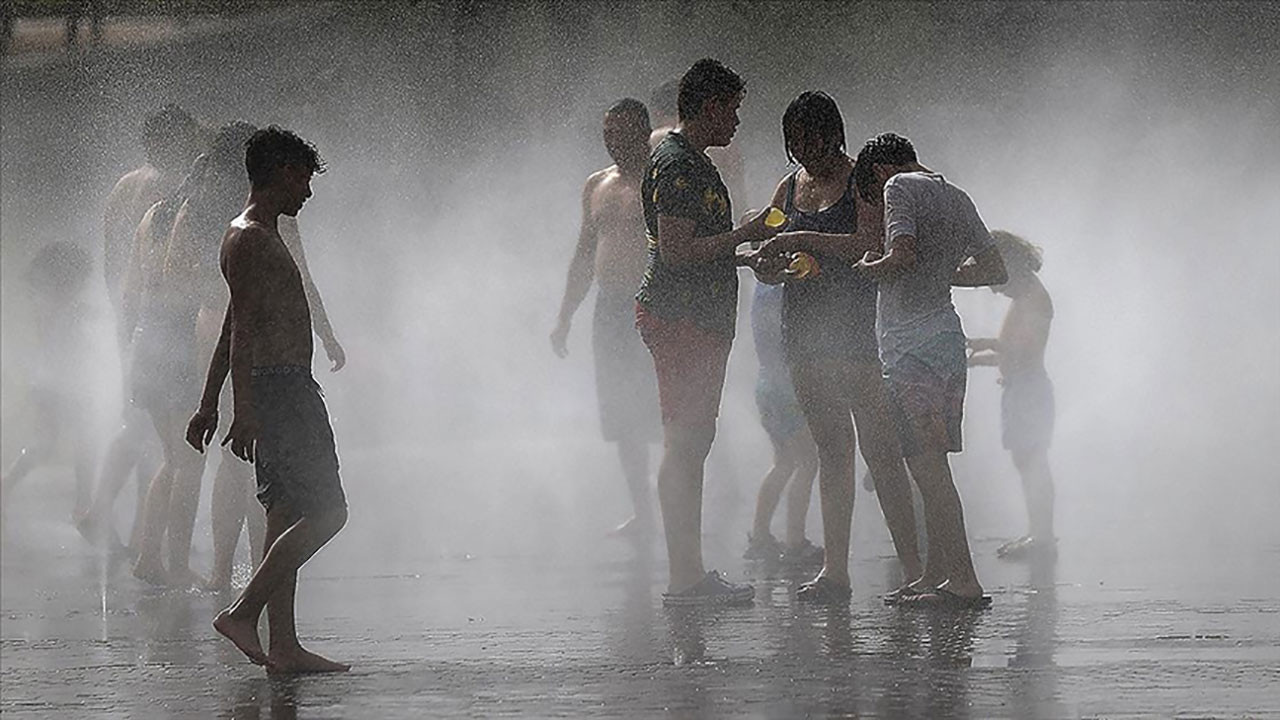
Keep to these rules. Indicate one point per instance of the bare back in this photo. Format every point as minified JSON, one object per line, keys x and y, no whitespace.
{"x":618,"y":218}
{"x":267,"y":294}
{"x":129,"y":200}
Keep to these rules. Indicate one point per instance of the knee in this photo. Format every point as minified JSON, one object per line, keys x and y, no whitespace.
{"x":885,"y":465}
{"x":691,"y":443}
{"x":331,"y":521}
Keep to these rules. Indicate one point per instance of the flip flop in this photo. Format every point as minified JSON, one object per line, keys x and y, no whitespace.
{"x":904,"y":593}
{"x":824,"y":591}
{"x":943,"y":598}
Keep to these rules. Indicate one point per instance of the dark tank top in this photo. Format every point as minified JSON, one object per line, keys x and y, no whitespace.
{"x":832,"y":314}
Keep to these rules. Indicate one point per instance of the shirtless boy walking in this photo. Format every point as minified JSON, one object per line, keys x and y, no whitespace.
{"x":280,"y":424}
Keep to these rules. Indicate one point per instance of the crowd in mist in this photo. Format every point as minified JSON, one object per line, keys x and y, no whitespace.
{"x":1134,"y":146}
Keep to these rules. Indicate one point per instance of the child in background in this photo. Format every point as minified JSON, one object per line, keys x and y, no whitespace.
{"x":58,"y":390}
{"x":795,"y":457}
{"x":1026,"y":404}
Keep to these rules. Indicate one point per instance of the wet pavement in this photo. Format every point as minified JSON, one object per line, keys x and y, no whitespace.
{"x":534,"y":635}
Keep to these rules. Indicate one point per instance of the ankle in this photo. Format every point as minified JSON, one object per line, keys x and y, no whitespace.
{"x":284,"y":647}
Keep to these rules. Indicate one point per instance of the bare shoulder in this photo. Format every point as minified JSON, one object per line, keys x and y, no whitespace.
{"x":148,"y":219}
{"x":135,"y":179}
{"x":598,"y":179}
{"x":244,"y":238}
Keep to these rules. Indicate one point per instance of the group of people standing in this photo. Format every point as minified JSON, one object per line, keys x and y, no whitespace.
{"x":204,"y":268}
{"x":858,"y":340}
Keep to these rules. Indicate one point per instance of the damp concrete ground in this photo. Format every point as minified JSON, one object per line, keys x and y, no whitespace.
{"x":1103,"y":632}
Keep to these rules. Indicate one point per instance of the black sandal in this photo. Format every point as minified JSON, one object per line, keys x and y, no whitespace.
{"x":824,"y":591}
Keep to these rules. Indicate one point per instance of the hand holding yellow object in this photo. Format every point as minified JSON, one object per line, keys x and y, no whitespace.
{"x":802,"y":265}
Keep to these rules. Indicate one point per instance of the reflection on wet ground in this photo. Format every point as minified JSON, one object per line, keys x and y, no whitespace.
{"x":530,"y":636}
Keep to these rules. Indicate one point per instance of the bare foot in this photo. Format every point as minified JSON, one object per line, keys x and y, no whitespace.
{"x":634,"y":527}
{"x":150,"y":571}
{"x":299,"y":661}
{"x":99,"y":535}
{"x":185,"y":579}
{"x":87,"y":528}
{"x":218,"y":584}
{"x":243,"y":634}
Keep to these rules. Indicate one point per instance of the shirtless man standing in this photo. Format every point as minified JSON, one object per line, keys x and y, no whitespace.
{"x":170,"y":141}
{"x":612,"y":248}
{"x":280,"y":423}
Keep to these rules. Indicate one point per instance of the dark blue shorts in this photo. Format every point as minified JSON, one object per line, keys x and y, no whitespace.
{"x":295,"y":459}
{"x":779,"y":409}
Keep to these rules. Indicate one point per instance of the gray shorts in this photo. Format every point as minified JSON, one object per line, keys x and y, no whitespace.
{"x":1026,"y":413}
{"x":295,"y":459}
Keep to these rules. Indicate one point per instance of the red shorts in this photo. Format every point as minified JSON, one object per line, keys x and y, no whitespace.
{"x":690,"y":362}
{"x":928,"y":405}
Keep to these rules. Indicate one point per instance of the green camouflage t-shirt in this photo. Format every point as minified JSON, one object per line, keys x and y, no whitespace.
{"x":682,"y":182}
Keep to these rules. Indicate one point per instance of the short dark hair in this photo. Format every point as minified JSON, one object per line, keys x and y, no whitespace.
{"x":707,"y":79}
{"x":217,"y":190}
{"x":273,"y":147}
{"x":630,"y":106}
{"x":813,"y":111}
{"x":229,"y":143}
{"x":164,"y":127}
{"x":665,"y":99}
{"x":883,"y":149}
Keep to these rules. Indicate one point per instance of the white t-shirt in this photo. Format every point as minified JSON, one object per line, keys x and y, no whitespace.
{"x":914,"y":305}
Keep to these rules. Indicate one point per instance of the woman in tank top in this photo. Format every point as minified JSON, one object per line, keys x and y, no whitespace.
{"x":829,"y":340}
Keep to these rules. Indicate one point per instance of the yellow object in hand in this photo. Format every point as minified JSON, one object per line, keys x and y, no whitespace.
{"x":802,"y":265}
{"x":775,"y":218}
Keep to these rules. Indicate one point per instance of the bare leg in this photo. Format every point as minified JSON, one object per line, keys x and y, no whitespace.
{"x":290,"y":547}
{"x":286,"y":654}
{"x":823,"y":391}
{"x":227,"y":513}
{"x":149,"y":463}
{"x":680,"y":480}
{"x":634,"y":457}
{"x":255,"y":521}
{"x":800,"y":490}
{"x":29,"y":459}
{"x":1037,"y":489}
{"x":775,"y":481}
{"x":149,"y":566}
{"x":124,"y":454}
{"x":948,"y":558}
{"x":117,"y":464}
{"x":881,"y":450}
{"x":184,"y":501}
{"x":84,"y":473}
{"x":43,"y":430}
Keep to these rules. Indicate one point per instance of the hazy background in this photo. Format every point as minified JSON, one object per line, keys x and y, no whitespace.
{"x":1137,"y":144}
